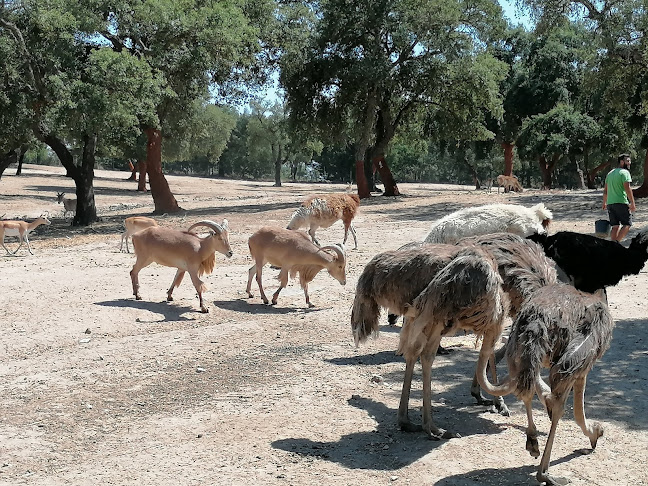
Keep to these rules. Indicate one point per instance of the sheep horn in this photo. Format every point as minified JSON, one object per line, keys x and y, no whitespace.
{"x":338,"y":249}
{"x":217,"y":228}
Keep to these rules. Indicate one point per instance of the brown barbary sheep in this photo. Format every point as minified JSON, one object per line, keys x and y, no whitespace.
{"x":184,"y":250}
{"x":323,"y":210}
{"x":295,"y":253}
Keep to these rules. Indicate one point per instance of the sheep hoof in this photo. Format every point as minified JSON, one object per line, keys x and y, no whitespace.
{"x":265,"y":301}
{"x":204,"y":310}
{"x":137,"y":297}
{"x":169,"y":298}
{"x":250,"y":295}
{"x":274,"y":302}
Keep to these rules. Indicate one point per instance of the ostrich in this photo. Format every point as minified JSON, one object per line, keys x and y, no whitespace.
{"x":450,"y":288}
{"x":592,"y":263}
{"x":566,"y":330}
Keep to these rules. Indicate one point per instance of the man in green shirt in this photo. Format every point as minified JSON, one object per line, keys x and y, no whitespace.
{"x":618,"y":198}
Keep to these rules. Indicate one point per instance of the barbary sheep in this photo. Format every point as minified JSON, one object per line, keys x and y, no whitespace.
{"x":134,"y":224}
{"x":294,"y":252}
{"x":184,"y":250}
{"x":509,"y":183}
{"x":593,"y":263}
{"x":491,"y":218}
{"x":69,"y":203}
{"x":324,"y":210}
{"x":567,"y":331}
{"x":21,"y":229}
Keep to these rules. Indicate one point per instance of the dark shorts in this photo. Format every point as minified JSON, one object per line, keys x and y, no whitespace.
{"x":619,"y":213}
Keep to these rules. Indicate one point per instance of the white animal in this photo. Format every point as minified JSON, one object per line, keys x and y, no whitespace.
{"x":69,"y":203}
{"x":491,"y":218}
{"x":21,"y":229}
{"x":183,"y":250}
{"x":133,"y":225}
{"x":324,"y":210}
{"x":294,"y":253}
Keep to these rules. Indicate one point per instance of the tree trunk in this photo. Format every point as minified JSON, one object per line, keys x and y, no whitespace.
{"x":86,"y":211}
{"x":83,"y":175}
{"x":141,"y":181}
{"x":133,"y":169}
{"x":579,"y":171}
{"x":545,"y":172}
{"x":592,"y":174}
{"x":391,"y":189}
{"x":546,"y":169}
{"x":508,"y":158}
{"x":21,"y":159}
{"x":642,"y":191}
{"x":361,"y":180}
{"x":277,"y":165}
{"x":163,"y":199}
{"x":7,"y":159}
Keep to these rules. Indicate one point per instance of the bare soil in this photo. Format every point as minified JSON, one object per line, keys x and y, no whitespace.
{"x":97,"y":388}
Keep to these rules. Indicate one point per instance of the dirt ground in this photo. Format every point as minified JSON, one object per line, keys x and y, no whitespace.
{"x":97,"y":388}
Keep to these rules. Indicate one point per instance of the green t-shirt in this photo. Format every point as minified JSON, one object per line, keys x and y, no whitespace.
{"x":615,"y":190}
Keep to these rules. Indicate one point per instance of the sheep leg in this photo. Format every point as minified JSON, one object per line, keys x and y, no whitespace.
{"x":308,"y":302}
{"x":283,"y":281}
{"x":251,"y":274}
{"x":555,"y":408}
{"x":200,"y":286}
{"x":134,"y":273}
{"x":311,"y":232}
{"x":403,"y":409}
{"x":259,"y":274}
{"x":427,"y":358}
{"x":176,"y":283}
{"x":593,"y":430}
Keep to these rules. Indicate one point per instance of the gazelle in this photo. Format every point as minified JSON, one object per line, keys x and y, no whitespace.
{"x":21,"y":229}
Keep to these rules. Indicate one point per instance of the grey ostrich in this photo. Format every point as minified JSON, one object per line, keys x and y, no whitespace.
{"x":567,"y":331}
{"x":464,"y":293}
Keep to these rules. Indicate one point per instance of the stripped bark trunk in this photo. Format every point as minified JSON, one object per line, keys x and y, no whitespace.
{"x":141,"y":169}
{"x":163,"y":199}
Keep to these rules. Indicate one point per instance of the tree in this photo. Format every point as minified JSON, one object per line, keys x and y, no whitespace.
{"x":79,"y":94}
{"x":550,"y":136}
{"x":193,"y":46}
{"x":620,"y":28}
{"x":367,"y":68}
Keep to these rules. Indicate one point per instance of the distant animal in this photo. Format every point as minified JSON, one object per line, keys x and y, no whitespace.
{"x":21,"y":229}
{"x":491,"y":218}
{"x":295,"y":253}
{"x":593,"y":263}
{"x":396,"y":280}
{"x":134,"y":224}
{"x":323,"y":210}
{"x":184,"y":250}
{"x":509,"y":183}
{"x":69,"y":203}
{"x":567,"y":331}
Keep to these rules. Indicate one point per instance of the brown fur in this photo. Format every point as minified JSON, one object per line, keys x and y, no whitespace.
{"x":509,"y":183}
